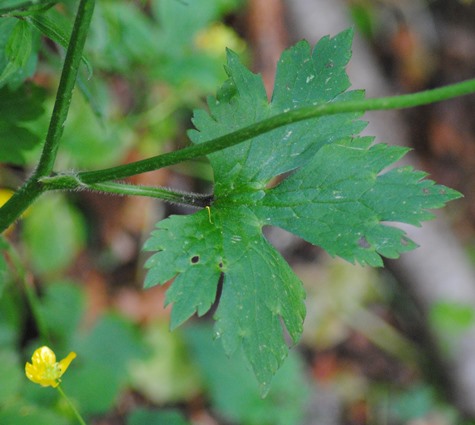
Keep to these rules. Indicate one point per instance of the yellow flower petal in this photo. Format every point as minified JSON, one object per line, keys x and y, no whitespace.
{"x":43,"y":355}
{"x":64,"y":364}
{"x":30,"y":372}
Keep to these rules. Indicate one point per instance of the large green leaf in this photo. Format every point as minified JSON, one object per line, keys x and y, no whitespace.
{"x":339,"y":195}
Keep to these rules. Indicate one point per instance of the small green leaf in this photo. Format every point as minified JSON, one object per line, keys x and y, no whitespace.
{"x":17,"y":50}
{"x":53,"y":26}
{"x":18,"y":47}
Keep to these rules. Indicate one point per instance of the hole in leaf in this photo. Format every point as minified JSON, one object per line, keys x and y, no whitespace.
{"x":220,"y":265}
{"x":195,"y":259}
{"x":363,"y":243}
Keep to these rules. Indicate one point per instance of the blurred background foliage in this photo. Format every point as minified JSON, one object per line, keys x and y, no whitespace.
{"x":73,"y":269}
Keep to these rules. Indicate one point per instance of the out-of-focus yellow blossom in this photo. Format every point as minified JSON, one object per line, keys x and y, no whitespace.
{"x":216,"y":38}
{"x":5,"y":195}
{"x":44,"y":369}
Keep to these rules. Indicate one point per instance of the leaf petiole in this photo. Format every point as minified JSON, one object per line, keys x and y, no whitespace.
{"x":181,"y":198}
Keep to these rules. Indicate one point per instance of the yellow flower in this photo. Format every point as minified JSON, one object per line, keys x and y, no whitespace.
{"x":44,"y":369}
{"x":216,"y":38}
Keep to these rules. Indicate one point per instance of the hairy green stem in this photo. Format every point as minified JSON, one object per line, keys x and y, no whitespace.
{"x":286,"y":118}
{"x":71,"y":182}
{"x":66,"y":85}
{"x":32,"y":188}
{"x":181,"y":198}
